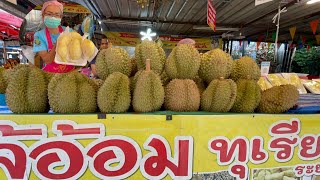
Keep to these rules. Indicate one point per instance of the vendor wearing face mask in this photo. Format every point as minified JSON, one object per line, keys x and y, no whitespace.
{"x":45,"y":40}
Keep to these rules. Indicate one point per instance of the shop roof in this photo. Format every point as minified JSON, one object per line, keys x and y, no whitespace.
{"x":188,"y":17}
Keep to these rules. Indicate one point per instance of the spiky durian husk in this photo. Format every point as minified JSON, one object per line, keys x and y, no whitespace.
{"x":27,"y":90}
{"x":148,"y":92}
{"x":183,"y":62}
{"x":134,"y":66}
{"x":134,"y":79}
{"x":113,"y":60}
{"x":215,"y":64}
{"x":278,"y":99}
{"x":3,"y":83}
{"x":219,"y":96}
{"x":245,"y":68}
{"x":72,"y":93}
{"x":150,"y":50}
{"x":114,"y":95}
{"x":248,"y":96}
{"x":201,"y":84}
{"x":264,"y":83}
{"x":164,"y":78}
{"x":48,"y":76}
{"x":99,"y":82}
{"x":182,"y":95}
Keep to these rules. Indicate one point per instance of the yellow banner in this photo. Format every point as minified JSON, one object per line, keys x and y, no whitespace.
{"x":171,"y":42}
{"x":152,"y":147}
{"x":71,"y":8}
{"x":123,"y":38}
{"x":168,"y":42}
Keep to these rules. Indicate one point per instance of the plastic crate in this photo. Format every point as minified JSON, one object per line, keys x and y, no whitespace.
{"x":3,"y":100}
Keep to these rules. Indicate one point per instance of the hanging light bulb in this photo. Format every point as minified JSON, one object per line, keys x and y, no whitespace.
{"x":313,"y":1}
{"x":143,"y":3}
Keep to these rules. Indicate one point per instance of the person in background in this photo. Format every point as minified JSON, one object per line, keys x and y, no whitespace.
{"x":104,"y":45}
{"x":187,"y":41}
{"x":45,"y":39}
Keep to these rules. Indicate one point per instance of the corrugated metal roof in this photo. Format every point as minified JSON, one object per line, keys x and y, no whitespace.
{"x":179,"y":17}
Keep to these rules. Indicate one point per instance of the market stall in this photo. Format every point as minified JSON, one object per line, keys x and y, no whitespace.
{"x":172,"y":107}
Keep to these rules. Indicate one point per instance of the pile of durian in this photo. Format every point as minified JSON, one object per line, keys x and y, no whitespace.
{"x":185,"y":82}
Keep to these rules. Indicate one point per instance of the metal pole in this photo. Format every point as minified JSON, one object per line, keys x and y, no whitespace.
{"x":4,"y":51}
{"x":277,"y":34}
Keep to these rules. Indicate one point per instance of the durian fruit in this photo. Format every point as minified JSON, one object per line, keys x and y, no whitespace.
{"x":114,"y":95}
{"x":87,"y":24}
{"x":245,"y":68}
{"x":72,"y":93}
{"x":64,"y":40}
{"x":63,"y":52}
{"x":75,"y":35}
{"x":134,"y":80}
{"x":87,"y":48}
{"x":183,"y":62}
{"x":215,"y":64}
{"x":164,"y":78}
{"x":150,"y":50}
{"x":277,"y":80}
{"x":7,"y":74}
{"x":134,"y":66}
{"x":278,"y":99}
{"x":148,"y":94}
{"x":48,"y":76}
{"x":200,"y":83}
{"x":248,"y":96}
{"x":27,"y":90}
{"x":75,"y":49}
{"x":219,"y":96}
{"x":113,"y":60}
{"x":63,"y":46}
{"x":182,"y":95}
{"x":3,"y":83}
{"x":264,"y":83}
{"x":99,"y":82}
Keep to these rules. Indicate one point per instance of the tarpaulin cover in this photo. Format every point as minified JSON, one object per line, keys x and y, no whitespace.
{"x":9,"y":25}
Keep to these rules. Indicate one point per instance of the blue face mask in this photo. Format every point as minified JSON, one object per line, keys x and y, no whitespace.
{"x":52,"y":22}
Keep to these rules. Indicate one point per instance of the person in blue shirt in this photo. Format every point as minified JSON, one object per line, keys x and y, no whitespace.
{"x":45,"y":39}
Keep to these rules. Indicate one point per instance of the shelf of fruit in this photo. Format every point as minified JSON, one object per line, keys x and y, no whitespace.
{"x":185,"y":81}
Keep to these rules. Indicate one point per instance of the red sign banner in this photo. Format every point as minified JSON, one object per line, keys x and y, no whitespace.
{"x":211,"y":16}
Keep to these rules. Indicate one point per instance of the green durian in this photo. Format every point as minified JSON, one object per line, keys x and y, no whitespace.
{"x":134,"y":79}
{"x":245,"y":68}
{"x":7,"y":74}
{"x":248,"y":96}
{"x":183,"y":62}
{"x":3,"y":83}
{"x":219,"y":96}
{"x":27,"y":90}
{"x":164,"y":78}
{"x":150,"y":50}
{"x":72,"y":93}
{"x":134,"y":66}
{"x":148,"y":92}
{"x":114,"y":95}
{"x":99,"y":82}
{"x":200,"y":83}
{"x":113,"y":60}
{"x":48,"y":76}
{"x":215,"y":64}
{"x":278,"y":99}
{"x":182,"y":95}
